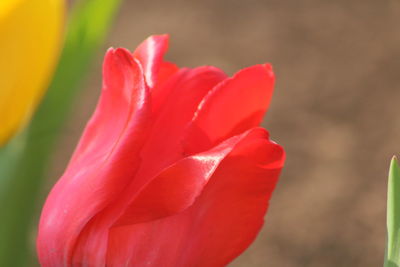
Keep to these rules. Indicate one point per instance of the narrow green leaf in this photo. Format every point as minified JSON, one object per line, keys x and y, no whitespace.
{"x":23,"y":161}
{"x":392,"y":254}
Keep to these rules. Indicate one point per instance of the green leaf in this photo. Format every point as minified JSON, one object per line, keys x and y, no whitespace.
{"x":23,"y":161}
{"x":392,"y":254}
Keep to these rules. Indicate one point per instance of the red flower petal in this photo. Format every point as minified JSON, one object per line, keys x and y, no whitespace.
{"x":187,"y":89}
{"x":104,"y":162}
{"x":152,"y":181}
{"x":150,"y":54}
{"x":161,"y":148}
{"x":201,"y":221}
{"x":234,"y":106}
{"x":187,"y":177}
{"x":162,"y":88}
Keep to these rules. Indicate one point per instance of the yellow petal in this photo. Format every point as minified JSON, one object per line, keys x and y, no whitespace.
{"x":30,"y":40}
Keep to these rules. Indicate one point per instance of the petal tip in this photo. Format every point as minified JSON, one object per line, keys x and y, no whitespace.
{"x":269,"y":69}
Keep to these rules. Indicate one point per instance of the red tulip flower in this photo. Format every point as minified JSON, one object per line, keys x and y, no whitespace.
{"x":172,"y":169}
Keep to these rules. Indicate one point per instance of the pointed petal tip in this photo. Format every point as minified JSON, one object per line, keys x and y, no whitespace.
{"x":268,"y":66}
{"x":260,"y":70}
{"x":117,"y":55}
{"x":159,"y":39}
{"x":163,"y":36}
{"x":116,"y":50}
{"x":269,"y":69}
{"x":150,"y":54}
{"x":281,"y":151}
{"x":123,"y":51}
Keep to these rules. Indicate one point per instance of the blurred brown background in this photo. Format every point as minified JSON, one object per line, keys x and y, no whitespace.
{"x":335,"y":110}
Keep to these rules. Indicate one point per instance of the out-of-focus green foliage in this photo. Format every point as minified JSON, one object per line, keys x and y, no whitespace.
{"x":392,"y":254}
{"x":23,"y":161}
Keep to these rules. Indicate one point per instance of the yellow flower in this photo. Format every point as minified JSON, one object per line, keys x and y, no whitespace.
{"x":30,"y":40}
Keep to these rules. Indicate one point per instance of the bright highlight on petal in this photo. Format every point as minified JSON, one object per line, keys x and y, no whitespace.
{"x":30,"y":40}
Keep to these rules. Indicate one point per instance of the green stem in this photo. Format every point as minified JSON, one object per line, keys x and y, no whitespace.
{"x":392,"y":252}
